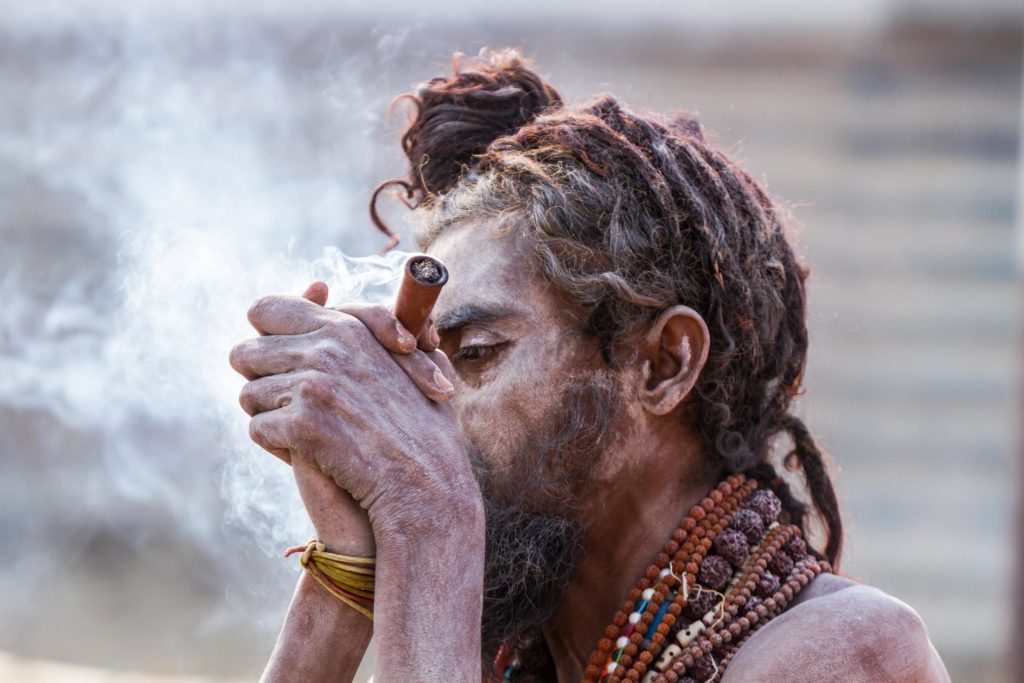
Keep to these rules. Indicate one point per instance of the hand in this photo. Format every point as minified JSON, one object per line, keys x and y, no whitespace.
{"x":349,"y":400}
{"x":348,"y":393}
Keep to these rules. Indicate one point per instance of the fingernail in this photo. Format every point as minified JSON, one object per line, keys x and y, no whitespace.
{"x":404,"y":337}
{"x":435,"y":338}
{"x":442,"y":382}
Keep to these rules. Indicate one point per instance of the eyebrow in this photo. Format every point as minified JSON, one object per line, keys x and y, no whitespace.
{"x":469,"y":314}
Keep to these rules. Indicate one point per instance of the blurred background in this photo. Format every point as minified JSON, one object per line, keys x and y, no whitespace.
{"x":161,"y":164}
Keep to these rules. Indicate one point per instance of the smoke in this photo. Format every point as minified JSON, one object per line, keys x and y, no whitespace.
{"x":154,"y":180}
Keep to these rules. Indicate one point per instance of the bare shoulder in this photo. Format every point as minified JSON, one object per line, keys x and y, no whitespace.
{"x":840,"y":630}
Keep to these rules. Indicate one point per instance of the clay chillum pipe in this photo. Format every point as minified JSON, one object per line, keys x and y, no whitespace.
{"x":422,"y":280}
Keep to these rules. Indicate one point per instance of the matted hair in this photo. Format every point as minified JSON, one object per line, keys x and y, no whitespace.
{"x":633,"y":213}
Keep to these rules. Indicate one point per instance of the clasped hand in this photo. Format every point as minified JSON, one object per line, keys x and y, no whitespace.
{"x":359,"y":408}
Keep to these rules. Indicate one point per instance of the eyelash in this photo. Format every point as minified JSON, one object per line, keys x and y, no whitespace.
{"x":475,"y":353}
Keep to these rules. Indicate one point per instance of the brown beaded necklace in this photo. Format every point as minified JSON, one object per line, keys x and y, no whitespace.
{"x":728,"y":569}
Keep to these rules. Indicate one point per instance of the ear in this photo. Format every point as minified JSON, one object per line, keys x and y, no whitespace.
{"x":672,"y":355}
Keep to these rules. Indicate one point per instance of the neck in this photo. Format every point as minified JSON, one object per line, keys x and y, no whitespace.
{"x":626,"y":529}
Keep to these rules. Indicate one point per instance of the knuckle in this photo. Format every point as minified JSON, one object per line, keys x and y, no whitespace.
{"x":236,"y":357}
{"x":343,"y":325}
{"x":297,"y":427}
{"x":362,"y":309}
{"x":380,"y":322}
{"x":245,"y":399}
{"x":333,"y":328}
{"x":326,"y":354}
{"x":379,"y":313}
{"x":315,"y":389}
{"x":259,"y":308}
{"x":256,"y":432}
{"x":293,"y":360}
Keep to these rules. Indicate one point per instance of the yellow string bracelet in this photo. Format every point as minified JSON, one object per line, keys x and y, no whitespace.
{"x":348,"y":578}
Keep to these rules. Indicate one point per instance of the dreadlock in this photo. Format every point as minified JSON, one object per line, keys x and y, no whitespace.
{"x":633,"y":213}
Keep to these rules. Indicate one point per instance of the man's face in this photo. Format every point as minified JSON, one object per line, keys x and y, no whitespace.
{"x":538,"y":407}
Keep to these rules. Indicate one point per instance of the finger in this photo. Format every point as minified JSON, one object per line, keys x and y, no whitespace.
{"x":268,"y":393}
{"x":285,"y":315}
{"x":317,"y":293}
{"x":440,"y":359}
{"x":382,"y":323}
{"x":263,"y":356}
{"x":428,"y":339}
{"x":426,"y":375}
{"x":269,"y":431}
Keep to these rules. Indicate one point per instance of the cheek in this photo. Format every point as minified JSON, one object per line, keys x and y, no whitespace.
{"x":498,"y":417}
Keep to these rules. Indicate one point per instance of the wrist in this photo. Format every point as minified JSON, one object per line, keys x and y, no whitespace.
{"x":443,"y":500}
{"x":315,"y":603}
{"x":355,"y":542}
{"x":322,"y":639}
{"x":430,"y":573}
{"x":447,"y":519}
{"x":340,"y":523}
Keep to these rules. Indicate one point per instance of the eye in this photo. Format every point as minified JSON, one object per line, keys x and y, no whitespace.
{"x":475,"y":353}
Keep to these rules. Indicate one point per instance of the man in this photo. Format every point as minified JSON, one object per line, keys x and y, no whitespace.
{"x":624,"y":326}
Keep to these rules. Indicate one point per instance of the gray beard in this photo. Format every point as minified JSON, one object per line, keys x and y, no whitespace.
{"x":533,"y":511}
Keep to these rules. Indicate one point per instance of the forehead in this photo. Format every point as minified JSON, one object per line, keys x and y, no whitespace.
{"x":486,"y":268}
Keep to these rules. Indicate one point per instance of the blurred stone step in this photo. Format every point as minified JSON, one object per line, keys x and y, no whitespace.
{"x":988,"y":454}
{"x":978,"y":378}
{"x":860,"y":310}
{"x":939,"y":262}
{"x":904,"y":419}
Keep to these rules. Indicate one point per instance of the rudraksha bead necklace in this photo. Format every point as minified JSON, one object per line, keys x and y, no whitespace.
{"x":728,"y":569}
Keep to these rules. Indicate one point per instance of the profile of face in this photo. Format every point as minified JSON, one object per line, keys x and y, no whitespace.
{"x":540,"y":410}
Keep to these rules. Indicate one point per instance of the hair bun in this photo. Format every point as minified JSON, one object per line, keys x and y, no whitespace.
{"x":486,"y":97}
{"x":458,"y":116}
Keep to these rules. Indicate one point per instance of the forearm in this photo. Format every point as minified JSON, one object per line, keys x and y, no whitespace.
{"x":429,"y":597}
{"x":322,"y":639}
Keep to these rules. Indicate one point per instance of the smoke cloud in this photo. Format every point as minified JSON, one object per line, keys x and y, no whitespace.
{"x":157,"y":175}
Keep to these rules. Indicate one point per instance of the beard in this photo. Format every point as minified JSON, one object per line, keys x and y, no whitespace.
{"x":534,"y":506}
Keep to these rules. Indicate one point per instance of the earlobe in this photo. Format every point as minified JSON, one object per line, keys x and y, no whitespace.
{"x":674,"y":352}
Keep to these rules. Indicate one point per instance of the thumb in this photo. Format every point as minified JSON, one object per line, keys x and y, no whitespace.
{"x":317,"y":293}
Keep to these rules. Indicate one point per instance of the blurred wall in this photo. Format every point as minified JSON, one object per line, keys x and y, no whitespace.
{"x":151,"y":156}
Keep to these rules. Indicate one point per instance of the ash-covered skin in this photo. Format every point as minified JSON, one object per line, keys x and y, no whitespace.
{"x":838,"y":630}
{"x":513,"y":350}
{"x":635,"y":490}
